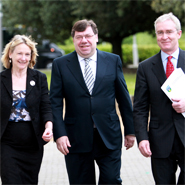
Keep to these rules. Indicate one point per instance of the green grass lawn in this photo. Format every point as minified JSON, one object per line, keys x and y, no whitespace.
{"x":129,"y":78}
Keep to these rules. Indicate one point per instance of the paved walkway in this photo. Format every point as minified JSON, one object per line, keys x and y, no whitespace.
{"x":136,"y":169}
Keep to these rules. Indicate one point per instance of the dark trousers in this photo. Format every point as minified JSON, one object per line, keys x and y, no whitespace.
{"x":164,"y":170}
{"x":81,"y":166}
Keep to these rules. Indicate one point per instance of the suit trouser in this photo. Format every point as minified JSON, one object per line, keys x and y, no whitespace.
{"x":164,"y":169}
{"x":81,"y":166}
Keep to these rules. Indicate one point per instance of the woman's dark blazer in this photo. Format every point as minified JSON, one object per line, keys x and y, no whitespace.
{"x":37,"y":100}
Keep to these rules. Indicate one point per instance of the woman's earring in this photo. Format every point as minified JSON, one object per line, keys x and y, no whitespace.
{"x":10,"y":60}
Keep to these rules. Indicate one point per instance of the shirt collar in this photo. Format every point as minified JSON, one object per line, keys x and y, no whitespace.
{"x":165,"y":55}
{"x":93,"y":57}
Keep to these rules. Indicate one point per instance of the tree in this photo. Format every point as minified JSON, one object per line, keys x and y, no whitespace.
{"x":54,"y":19}
{"x":177,"y":7}
{"x":57,"y":19}
{"x":117,"y":20}
{"x":41,"y":19}
{"x":22,"y":17}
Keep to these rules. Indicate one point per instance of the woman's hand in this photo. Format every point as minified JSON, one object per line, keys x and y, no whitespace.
{"x":48,"y":133}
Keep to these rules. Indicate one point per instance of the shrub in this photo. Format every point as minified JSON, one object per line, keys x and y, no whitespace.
{"x":67,"y":48}
{"x":144,"y":51}
{"x":127,"y":54}
{"x":105,"y":47}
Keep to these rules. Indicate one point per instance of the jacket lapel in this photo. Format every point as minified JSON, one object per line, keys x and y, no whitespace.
{"x":30,"y":83}
{"x":181,"y":60}
{"x":31,"y":80}
{"x":7,"y":80}
{"x":158,"y":68}
{"x":75,"y":69}
{"x":100,"y":70}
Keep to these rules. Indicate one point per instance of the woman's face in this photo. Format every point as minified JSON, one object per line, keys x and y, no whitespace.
{"x":20,"y":57}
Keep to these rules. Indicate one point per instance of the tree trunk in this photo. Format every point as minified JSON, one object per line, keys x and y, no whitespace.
{"x":116,"y":47}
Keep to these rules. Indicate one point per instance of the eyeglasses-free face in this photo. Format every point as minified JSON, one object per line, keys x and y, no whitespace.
{"x":167,"y":36}
{"x":20,"y":57}
{"x":85,"y":42}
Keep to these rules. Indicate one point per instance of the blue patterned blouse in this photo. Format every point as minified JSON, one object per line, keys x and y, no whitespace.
{"x":19,"y":108}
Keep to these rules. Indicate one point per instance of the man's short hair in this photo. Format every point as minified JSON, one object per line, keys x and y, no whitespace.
{"x":81,"y":26}
{"x":171,"y":17}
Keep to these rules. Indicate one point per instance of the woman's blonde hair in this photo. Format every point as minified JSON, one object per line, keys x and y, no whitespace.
{"x":10,"y":47}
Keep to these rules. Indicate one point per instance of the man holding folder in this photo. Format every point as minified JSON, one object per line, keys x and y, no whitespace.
{"x":162,"y":137}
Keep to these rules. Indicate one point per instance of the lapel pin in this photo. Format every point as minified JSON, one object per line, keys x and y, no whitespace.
{"x":32,"y":83}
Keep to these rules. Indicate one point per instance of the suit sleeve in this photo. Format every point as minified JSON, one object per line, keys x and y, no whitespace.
{"x":45,"y":107}
{"x":141,"y":105}
{"x":56,"y":97}
{"x":124,"y":100}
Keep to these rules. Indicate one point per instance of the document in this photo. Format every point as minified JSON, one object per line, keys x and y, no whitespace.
{"x":174,"y":86}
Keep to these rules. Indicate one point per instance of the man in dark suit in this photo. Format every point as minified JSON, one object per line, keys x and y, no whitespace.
{"x":163,"y":139}
{"x":91,"y":128}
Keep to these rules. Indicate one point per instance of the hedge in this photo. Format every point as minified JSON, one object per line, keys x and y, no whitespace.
{"x":144,"y":51}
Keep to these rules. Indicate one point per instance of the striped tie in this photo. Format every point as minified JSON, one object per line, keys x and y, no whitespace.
{"x":88,"y":75}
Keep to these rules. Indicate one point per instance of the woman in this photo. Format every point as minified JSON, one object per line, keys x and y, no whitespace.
{"x":26,"y":117}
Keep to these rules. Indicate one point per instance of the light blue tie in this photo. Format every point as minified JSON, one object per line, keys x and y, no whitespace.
{"x":88,"y":75}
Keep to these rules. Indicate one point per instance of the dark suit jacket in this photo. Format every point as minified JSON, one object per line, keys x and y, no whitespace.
{"x":84,"y":110}
{"x":37,"y":100}
{"x":164,"y":120}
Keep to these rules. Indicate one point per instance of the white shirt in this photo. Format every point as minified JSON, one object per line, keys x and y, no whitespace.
{"x":174,"y":60}
{"x":92,"y":63}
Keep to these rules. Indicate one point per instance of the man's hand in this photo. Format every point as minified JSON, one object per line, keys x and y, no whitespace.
{"x":129,"y":141}
{"x":144,"y":147}
{"x":63,"y":144}
{"x":178,"y":105}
